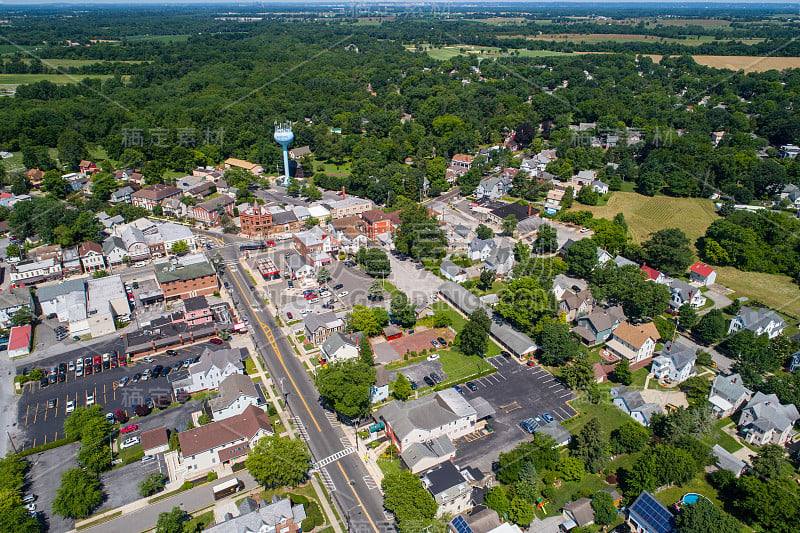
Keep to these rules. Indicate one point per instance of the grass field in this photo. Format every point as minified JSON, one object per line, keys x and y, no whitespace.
{"x":9,"y":82}
{"x":66,"y":63}
{"x":774,"y":290}
{"x":745,"y":63}
{"x":163,"y":38}
{"x":13,"y":48}
{"x":448,"y":52}
{"x":458,"y":322}
{"x":591,"y":38}
{"x":645,"y":214}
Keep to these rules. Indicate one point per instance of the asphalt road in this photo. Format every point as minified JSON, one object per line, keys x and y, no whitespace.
{"x":39,"y":424}
{"x":359,"y":503}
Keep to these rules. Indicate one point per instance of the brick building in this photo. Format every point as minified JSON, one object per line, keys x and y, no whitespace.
{"x":186,"y":278}
{"x":149,"y":197}
{"x":256,"y":221}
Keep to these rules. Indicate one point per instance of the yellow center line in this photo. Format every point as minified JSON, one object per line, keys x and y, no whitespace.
{"x":353,"y":490}
{"x":271,"y":340}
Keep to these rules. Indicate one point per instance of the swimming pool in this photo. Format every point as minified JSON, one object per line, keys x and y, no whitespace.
{"x":691,"y":498}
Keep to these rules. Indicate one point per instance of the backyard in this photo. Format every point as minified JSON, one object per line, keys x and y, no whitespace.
{"x":458,"y":322}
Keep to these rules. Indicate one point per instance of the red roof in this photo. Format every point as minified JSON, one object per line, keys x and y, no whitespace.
{"x":702,"y":269}
{"x":652,"y":273}
{"x":20,"y":338}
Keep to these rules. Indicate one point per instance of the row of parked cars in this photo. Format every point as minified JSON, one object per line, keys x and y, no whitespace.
{"x":532,"y":424}
{"x":82,"y":366}
{"x":158,"y":371}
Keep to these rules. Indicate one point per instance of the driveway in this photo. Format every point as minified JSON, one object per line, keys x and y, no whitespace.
{"x":418,"y":284}
{"x":724,"y":363}
{"x":718,"y":297}
{"x":45,"y":477}
{"x":418,"y":371}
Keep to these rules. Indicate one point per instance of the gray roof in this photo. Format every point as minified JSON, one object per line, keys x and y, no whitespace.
{"x":263,"y":520}
{"x":426,"y":413}
{"x":112,"y":242}
{"x":417,"y":452}
{"x":730,"y":388}
{"x":680,"y":355}
{"x":461,"y":230}
{"x":603,"y":319}
{"x":727,"y":461}
{"x":231,"y":388}
{"x":15,"y":297}
{"x":622,"y":261}
{"x":555,"y":430}
{"x":768,"y":412}
{"x":443,"y":477}
{"x":335,"y":342}
{"x":326,"y":320}
{"x":451,"y":268}
{"x":123,"y":192}
{"x":186,"y":272}
{"x":195,"y":303}
{"x":50,"y":292}
{"x":500,"y":256}
{"x":582,"y":510}
{"x":219,"y":359}
{"x":753,"y":319}
{"x":283,"y":217}
{"x":296,"y":261}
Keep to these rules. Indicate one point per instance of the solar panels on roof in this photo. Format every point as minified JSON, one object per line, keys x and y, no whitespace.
{"x":651,"y":514}
{"x":461,"y":525}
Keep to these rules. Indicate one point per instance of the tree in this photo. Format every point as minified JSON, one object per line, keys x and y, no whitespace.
{"x":279,"y":461}
{"x":22,"y":316}
{"x":711,"y":327}
{"x":629,"y":437}
{"x":546,"y":240}
{"x":622,"y":372}
{"x":54,"y":184}
{"x":293,"y":188}
{"x":521,"y":251}
{"x":95,"y":454}
{"x":520,"y":512}
{"x":152,"y":484}
{"x":484,"y":232}
{"x":687,"y":316}
{"x":78,"y":494}
{"x":474,"y":336}
{"x":345,"y":386}
{"x":323,"y":275}
{"x":420,"y":234}
{"x":771,"y":463}
{"x":588,"y":196}
{"x":523,"y":302}
{"x":590,"y":446}
{"x":581,"y":258}
{"x":441,"y":319}
{"x":497,"y":499}
{"x":571,"y":468}
{"x":374,"y":261}
{"x":696,"y":389}
{"x":204,"y":419}
{"x":568,"y":198}
{"x":362,"y":319}
{"x":486,"y":279}
{"x":179,"y":248}
{"x":668,"y":251}
{"x":375,"y":292}
{"x":579,"y":375}
{"x":509,"y":224}
{"x":605,"y":513}
{"x":402,"y":387}
{"x":365,"y":354}
{"x":704,"y":517}
{"x":402,"y":311}
{"x":558,"y":343}
{"x":313,"y":193}
{"x":172,"y":522}
{"x":412,"y":505}
{"x":86,"y":422}
{"x":12,"y":250}
{"x":97,"y":274}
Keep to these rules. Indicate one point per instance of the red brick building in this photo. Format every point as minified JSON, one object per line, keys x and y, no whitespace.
{"x":209,"y":212}
{"x":196,"y":279}
{"x":256,"y":221}
{"x":377,"y":222}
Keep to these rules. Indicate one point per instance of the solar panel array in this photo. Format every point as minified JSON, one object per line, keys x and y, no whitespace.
{"x":461,"y":525}
{"x":655,"y":516}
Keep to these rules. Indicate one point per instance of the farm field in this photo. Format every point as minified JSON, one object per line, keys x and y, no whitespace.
{"x":705,"y":23}
{"x":774,"y":290}
{"x":164,"y":38}
{"x":66,"y":63}
{"x":9,"y":82}
{"x":591,"y":38}
{"x":746,"y":63}
{"x":645,"y":214}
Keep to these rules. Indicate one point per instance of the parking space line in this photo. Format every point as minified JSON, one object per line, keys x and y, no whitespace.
{"x":36,"y":413}
{"x":26,"y":414}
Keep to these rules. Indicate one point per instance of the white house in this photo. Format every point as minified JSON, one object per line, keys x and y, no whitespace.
{"x":453,"y":272}
{"x":675,"y":363}
{"x":480,"y":249}
{"x":727,"y":394}
{"x":218,"y":444}
{"x":599,"y":187}
{"x":11,"y":301}
{"x":759,"y":321}
{"x":340,"y":347}
{"x":29,"y":272}
{"x":500,"y":261}
{"x":634,"y":343}
{"x":765,"y":420}
{"x":114,"y":250}
{"x":702,"y":274}
{"x":681,"y":293}
{"x":493,"y":188}
{"x":236,"y":393}
{"x":633,"y":404}
{"x":449,"y":488}
{"x":213,"y":367}
{"x":91,"y":255}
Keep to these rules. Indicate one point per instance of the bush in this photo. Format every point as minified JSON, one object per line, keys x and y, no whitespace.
{"x":211,"y":477}
{"x":314,"y":516}
{"x":187,"y":485}
{"x":424,"y":351}
{"x":271,"y":411}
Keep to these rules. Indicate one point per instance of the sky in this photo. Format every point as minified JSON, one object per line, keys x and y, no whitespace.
{"x":477,"y":3}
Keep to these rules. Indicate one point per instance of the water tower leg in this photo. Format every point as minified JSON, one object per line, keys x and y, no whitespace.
{"x":286,"y":164}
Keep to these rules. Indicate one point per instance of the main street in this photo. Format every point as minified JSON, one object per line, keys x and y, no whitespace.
{"x":360,"y":502}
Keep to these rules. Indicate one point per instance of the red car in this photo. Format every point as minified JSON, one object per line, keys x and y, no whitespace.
{"x":121,"y":360}
{"x":270,"y":243}
{"x":215,"y":341}
{"x":128,"y":429}
{"x":531,"y":363}
{"x":97,"y":360}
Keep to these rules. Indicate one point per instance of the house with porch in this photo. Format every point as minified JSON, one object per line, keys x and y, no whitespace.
{"x":319,"y":326}
{"x":237,"y":392}
{"x":759,"y":321}
{"x":635,"y":343}
{"x":765,"y":420}
{"x":213,"y":367}
{"x":728,"y":394}
{"x":633,"y":404}
{"x":682,"y":293}
{"x":676,"y":363}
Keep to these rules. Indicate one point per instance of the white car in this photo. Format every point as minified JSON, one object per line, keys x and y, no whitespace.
{"x":147,"y":458}
{"x":584,"y":230}
{"x":106,"y":357}
{"x":89,"y":400}
{"x":148,"y":359}
{"x":325,"y":294}
{"x":305,"y":311}
{"x":343,"y":294}
{"x":433,"y":357}
{"x":131,"y":441}
{"x":70,"y":405}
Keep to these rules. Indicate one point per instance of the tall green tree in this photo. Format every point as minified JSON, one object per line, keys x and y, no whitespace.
{"x":605,"y":513}
{"x":401,"y":388}
{"x":412,"y":505}
{"x":474,"y":336}
{"x":590,"y":446}
{"x":510,"y":224}
{"x":172,"y":521}
{"x":402,"y":311}
{"x":484,"y":232}
{"x":365,"y":354}
{"x":279,"y":461}
{"x":558,"y":344}
{"x":546,"y":240}
{"x":581,"y":258}
{"x":345,"y":386}
{"x":705,"y":517}
{"x":420,"y":234}
{"x":78,"y":495}
{"x":668,"y":250}
{"x":711,"y":327}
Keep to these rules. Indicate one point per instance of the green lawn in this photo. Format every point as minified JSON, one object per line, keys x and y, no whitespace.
{"x":388,"y":466}
{"x":449,"y":52}
{"x":458,"y":322}
{"x":162,"y":38}
{"x":698,"y":485}
{"x":568,"y":490}
{"x":456,"y":365}
{"x":330,"y":168}
{"x":718,"y":436}
{"x":10,"y":81}
{"x":610,"y":417}
{"x":249,"y":366}
{"x":199,"y":522}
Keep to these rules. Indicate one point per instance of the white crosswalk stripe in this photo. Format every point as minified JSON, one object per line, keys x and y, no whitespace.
{"x":345,"y":441}
{"x":331,"y":418}
{"x":334,"y":457}
{"x":369,"y":482}
{"x":301,"y":428}
{"x":326,"y":480}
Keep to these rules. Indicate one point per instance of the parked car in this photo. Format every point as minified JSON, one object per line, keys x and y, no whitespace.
{"x":413,"y":384}
{"x":52,"y":379}
{"x":171,"y":353}
{"x":435,"y":343}
{"x":127,"y":443}
{"x":98,"y":359}
{"x":166,"y":371}
{"x":435,"y":377}
{"x":110,"y":418}
{"x":343,"y":294}
{"x":338,"y":286}
{"x":70,"y":405}
{"x":156,"y":371}
{"x":548,"y":418}
{"x":88,"y":370}
{"x":471,"y":386}
{"x":458,"y":389}
{"x":531,"y":363}
{"x":105,"y":357}
{"x":215,"y":341}
{"x":43,"y":382}
{"x":428,"y":381}
{"x":529,"y":424}
{"x":129,"y":428}
{"x":148,"y":459}
{"x":52,"y":402}
{"x":433,"y":357}
{"x":89,"y":400}
{"x":289,"y":316}
{"x":505,"y":354}
{"x":71,"y":366}
{"x":177,"y":366}
{"x":441,"y":341}
{"x":148,"y":359}
{"x":124,"y":381}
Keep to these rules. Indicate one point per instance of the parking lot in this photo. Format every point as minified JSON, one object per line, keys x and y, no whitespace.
{"x":516,"y":392}
{"x":41,"y":424}
{"x":418,"y":371}
{"x":45,"y":478}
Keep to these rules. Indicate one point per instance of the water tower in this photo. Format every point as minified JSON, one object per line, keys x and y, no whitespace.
{"x":284,"y":136}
